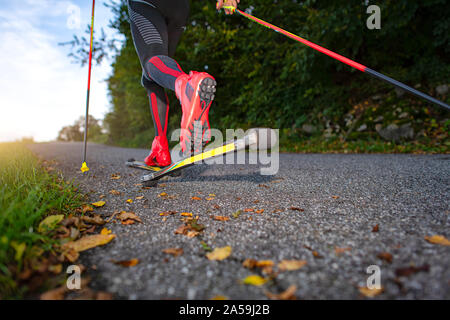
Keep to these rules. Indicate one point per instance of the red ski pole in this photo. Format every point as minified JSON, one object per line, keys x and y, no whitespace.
{"x":84,"y":166}
{"x":343,"y":59}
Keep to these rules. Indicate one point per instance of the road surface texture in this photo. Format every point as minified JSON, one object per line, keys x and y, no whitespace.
{"x":343,"y":197}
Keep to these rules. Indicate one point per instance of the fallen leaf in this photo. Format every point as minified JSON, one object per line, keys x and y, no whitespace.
{"x":209,"y":199}
{"x":219,"y":253}
{"x":89,"y":242}
{"x":86,"y":208}
{"x":130,"y":201}
{"x":193,"y":224}
{"x":105,"y":231}
{"x":219,"y":297}
{"x":56,"y":269}
{"x":55,"y":294}
{"x":128,"y":222}
{"x":71,"y":254}
{"x":211,"y":195}
{"x":386,"y":256}
{"x":437,"y":239}
{"x":221,"y":218}
{"x":291,"y":265}
{"x":376,"y":228}
{"x":288,"y":294}
{"x":103,"y":296}
{"x":186,"y":214}
{"x":93,"y":220}
{"x":168,"y":213}
{"x":296,"y":209}
{"x":50,"y":223}
{"x":115,"y":192}
{"x":370,"y":293}
{"x":254,"y":280}
{"x":115,"y":176}
{"x":124,"y":215}
{"x":338,"y":251}
{"x":259,"y":211}
{"x":174,"y":251}
{"x":263,"y":186}
{"x":216,"y":206}
{"x":99,"y":204}
{"x":126,"y":263}
{"x":192,"y":234}
{"x":205,"y":246}
{"x":335,"y":197}
{"x":236,"y":214}
{"x":406,"y":272}
{"x":140,"y":198}
{"x":249,"y":210}
{"x":196,"y":198}
{"x":249,"y":263}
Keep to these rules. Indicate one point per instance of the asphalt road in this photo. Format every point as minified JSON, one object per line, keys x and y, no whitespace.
{"x":343,"y":197}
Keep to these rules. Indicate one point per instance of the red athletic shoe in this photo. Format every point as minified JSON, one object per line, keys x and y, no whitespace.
{"x":196,"y":93}
{"x":159,"y":155}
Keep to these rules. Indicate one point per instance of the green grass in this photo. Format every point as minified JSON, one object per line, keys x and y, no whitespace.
{"x":28,"y":193}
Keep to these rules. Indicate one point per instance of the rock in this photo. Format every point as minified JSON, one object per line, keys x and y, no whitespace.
{"x":442,"y":89}
{"x":308,"y":128}
{"x":362,"y":128}
{"x":395,"y":133}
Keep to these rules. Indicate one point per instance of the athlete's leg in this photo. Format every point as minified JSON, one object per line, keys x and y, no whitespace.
{"x":150,"y":38}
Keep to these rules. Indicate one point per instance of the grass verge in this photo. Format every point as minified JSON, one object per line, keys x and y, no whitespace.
{"x":28,"y":193}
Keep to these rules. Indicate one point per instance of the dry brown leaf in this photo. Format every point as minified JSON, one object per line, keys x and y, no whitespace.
{"x":219,"y":253}
{"x":386,"y":256}
{"x":291,"y":265}
{"x":55,"y":294}
{"x":89,"y":242}
{"x":335,"y":197}
{"x":86,"y":208}
{"x":338,"y":251}
{"x":221,"y":218}
{"x":103,"y":296}
{"x":437,"y":239}
{"x":370,"y":293}
{"x":259,"y":211}
{"x":296,"y":209}
{"x":126,"y":263}
{"x":70,"y":254}
{"x":376,"y":228}
{"x":168,"y":213}
{"x":192,"y":234}
{"x":219,"y":297}
{"x":128,"y":222}
{"x":174,"y":251}
{"x":115,"y":192}
{"x":93,"y":220}
{"x":406,"y":272}
{"x":196,"y":198}
{"x":139,"y":197}
{"x":288,"y":294}
{"x":124,"y":215}
{"x":115,"y":176}
{"x":249,"y":210}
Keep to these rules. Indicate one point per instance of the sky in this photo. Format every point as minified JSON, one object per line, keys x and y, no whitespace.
{"x":41,"y":89}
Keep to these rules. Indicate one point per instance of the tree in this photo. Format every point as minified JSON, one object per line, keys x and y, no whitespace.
{"x":75,"y":132}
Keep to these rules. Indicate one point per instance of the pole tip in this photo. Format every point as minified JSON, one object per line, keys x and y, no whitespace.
{"x":84,"y":168}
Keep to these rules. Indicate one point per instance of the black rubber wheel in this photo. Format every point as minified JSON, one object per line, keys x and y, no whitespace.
{"x":150,"y":183}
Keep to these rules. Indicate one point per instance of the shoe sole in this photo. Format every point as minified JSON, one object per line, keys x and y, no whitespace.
{"x":206,"y":92}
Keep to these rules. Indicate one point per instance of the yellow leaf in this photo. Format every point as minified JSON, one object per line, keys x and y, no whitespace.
{"x":50,"y":223}
{"x":254,"y":280}
{"x":86,"y":208}
{"x":89,"y":242}
{"x":130,"y":201}
{"x":291,"y":265}
{"x":163,"y":194}
{"x":370,"y":293}
{"x":219,"y":253}
{"x":186,"y":214}
{"x":436,"y":239}
{"x":209,"y":199}
{"x":105,"y":231}
{"x":99,"y":204}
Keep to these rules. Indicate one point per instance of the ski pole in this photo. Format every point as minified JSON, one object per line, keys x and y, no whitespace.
{"x":84,"y":167}
{"x":342,"y":59}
